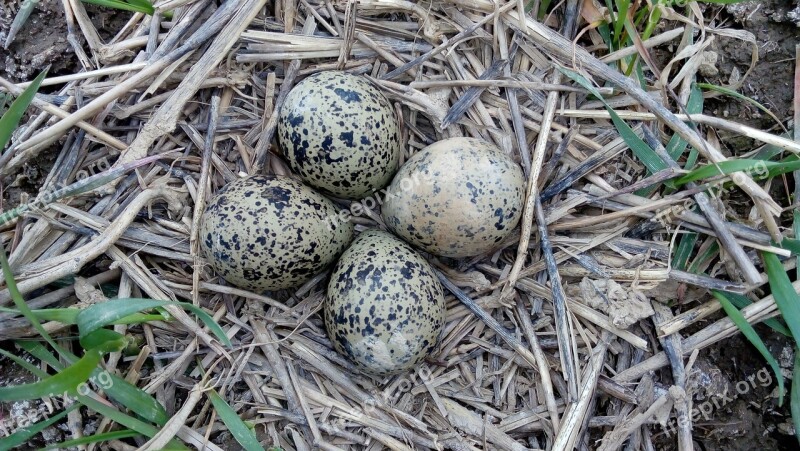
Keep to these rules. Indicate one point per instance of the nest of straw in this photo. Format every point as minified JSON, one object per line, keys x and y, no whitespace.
{"x":551,"y":341}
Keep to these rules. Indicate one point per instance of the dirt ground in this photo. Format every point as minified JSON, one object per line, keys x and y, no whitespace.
{"x":753,"y":420}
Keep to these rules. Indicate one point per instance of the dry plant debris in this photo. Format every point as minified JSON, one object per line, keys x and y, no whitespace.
{"x":551,"y":340}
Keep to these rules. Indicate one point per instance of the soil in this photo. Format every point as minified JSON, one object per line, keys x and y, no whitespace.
{"x":42,"y":43}
{"x":753,"y":419}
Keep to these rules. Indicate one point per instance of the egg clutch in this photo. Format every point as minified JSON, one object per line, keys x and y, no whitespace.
{"x":384,"y":308}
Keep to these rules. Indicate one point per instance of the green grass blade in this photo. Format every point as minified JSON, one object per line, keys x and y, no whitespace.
{"x":774,"y":323}
{"x":747,"y":330}
{"x":40,"y":352}
{"x":643,"y":152}
{"x":783,"y":292}
{"x":621,"y":17}
{"x":69,"y":316}
{"x":132,"y":6}
{"x":25,"y":10}
{"x":62,"y":315}
{"x":99,"y":315}
{"x":66,"y":381}
{"x":22,"y":435}
{"x":765,"y":169}
{"x":97,"y":438}
{"x":795,"y":396}
{"x":10,"y":120}
{"x":676,"y":145}
{"x":19,"y":301}
{"x":684,"y":250}
{"x":243,"y":434}
{"x":105,"y":340}
{"x":132,"y":397}
{"x":742,"y":97}
{"x":704,"y":258}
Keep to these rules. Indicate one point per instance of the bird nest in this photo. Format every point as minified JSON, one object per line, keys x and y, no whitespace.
{"x":551,"y":340}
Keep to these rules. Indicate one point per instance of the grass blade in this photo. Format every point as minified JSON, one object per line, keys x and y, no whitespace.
{"x":132,"y":397}
{"x":775,"y":324}
{"x":684,"y":250}
{"x":765,"y":169}
{"x":240,"y":431}
{"x":97,"y":438}
{"x":133,"y":6}
{"x":747,"y":330}
{"x":22,"y":435}
{"x":795,"y":396}
{"x":10,"y":120}
{"x":783,"y":292}
{"x":99,"y":315}
{"x":742,"y":97}
{"x":22,"y":16}
{"x":66,"y":381}
{"x":643,"y":152}
{"x":39,"y":351}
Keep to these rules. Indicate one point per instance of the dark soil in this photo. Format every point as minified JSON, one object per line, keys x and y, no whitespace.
{"x":42,"y":43}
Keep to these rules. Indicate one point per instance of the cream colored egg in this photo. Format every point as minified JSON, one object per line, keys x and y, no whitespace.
{"x":456,"y":198}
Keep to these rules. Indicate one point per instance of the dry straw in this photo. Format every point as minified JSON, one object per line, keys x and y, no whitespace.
{"x":530,"y":358}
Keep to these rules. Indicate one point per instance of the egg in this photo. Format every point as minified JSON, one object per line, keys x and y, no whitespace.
{"x":271,"y":232}
{"x":384,"y":308}
{"x":338,"y":132}
{"x":456,"y":198}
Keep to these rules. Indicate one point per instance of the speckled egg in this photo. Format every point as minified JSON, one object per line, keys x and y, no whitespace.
{"x":339,"y":133}
{"x":384,"y":308}
{"x":456,"y":198}
{"x":271,"y":232}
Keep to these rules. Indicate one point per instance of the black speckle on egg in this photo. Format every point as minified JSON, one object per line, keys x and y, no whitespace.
{"x":326,"y":132}
{"x":270,"y":232}
{"x":384,"y":307}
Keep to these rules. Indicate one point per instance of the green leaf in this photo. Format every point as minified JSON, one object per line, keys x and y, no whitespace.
{"x":99,"y":315}
{"x":742,"y":97}
{"x":775,"y":324}
{"x":135,"y":396}
{"x":104,"y":340}
{"x":703,"y":258}
{"x":19,"y":301}
{"x":66,"y":381}
{"x":676,"y":145}
{"x":135,"y":6}
{"x":765,"y":169}
{"x":23,"y":434}
{"x":10,"y":120}
{"x":243,"y":434}
{"x":684,"y":250}
{"x":783,"y":292}
{"x":795,"y":396}
{"x":643,"y":152}
{"x":97,"y":438}
{"x":747,"y":330}
{"x":621,"y":17}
